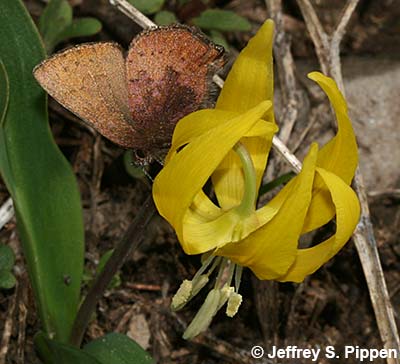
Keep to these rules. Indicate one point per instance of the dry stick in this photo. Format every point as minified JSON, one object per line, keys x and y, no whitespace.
{"x":390,"y":192}
{"x":286,"y":72}
{"x":131,"y":240}
{"x":327,"y":49}
{"x":8,"y":327}
{"x":6,"y":212}
{"x":131,"y":12}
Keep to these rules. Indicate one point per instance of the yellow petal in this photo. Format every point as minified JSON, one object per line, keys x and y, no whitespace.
{"x":270,"y":251}
{"x":199,"y":123}
{"x":347,"y":210}
{"x":257,"y":139}
{"x":228,"y":178}
{"x":250,"y":80}
{"x":201,"y":236}
{"x":339,"y":156}
{"x":187,"y":170}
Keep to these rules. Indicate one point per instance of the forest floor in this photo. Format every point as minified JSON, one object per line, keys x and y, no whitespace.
{"x":332,"y":307}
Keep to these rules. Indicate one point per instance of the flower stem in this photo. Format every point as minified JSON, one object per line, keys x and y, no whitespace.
{"x":130,"y":241}
{"x":248,"y":203}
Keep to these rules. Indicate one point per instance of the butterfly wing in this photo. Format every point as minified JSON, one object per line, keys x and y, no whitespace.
{"x":169,"y":71}
{"x":90,"y":81}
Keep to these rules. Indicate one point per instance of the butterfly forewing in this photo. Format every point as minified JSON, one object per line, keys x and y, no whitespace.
{"x":90,"y":81}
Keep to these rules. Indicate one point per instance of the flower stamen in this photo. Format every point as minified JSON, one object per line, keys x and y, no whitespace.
{"x":221,"y":293}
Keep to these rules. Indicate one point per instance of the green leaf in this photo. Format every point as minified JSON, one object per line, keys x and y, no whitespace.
{"x":56,"y":17}
{"x":54,"y":352}
{"x":39,"y":179}
{"x":104,"y":260}
{"x":116,"y":280}
{"x":4,"y":92}
{"x":218,"y":38}
{"x":165,"y":17}
{"x":130,"y":167}
{"x":222,"y":20}
{"x":56,"y":24}
{"x":7,"y":279}
{"x":81,"y":27}
{"x":147,"y":6}
{"x":117,"y":349}
{"x":7,"y":257}
{"x":285,"y":178}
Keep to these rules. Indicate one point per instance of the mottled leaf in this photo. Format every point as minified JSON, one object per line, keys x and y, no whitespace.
{"x":147,"y":6}
{"x":118,"y":349}
{"x":165,"y":17}
{"x":222,"y":20}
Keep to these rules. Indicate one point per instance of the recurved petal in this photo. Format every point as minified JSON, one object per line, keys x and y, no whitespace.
{"x":250,"y":80}
{"x":271,"y":250}
{"x":338,"y":156}
{"x":347,"y":210}
{"x":188,"y":169}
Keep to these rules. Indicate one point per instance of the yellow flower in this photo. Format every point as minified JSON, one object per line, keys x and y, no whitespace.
{"x":230,"y":145}
{"x":266,"y":239}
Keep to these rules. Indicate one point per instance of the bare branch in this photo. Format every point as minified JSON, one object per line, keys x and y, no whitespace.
{"x":317,"y":33}
{"x":6,"y":212}
{"x":286,"y":72}
{"x":344,"y":21}
{"x":131,"y":12}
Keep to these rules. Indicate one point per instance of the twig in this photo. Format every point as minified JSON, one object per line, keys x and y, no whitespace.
{"x":285,"y":153}
{"x":8,"y":326}
{"x":143,"y":286}
{"x":22,"y":316}
{"x":286,"y":72}
{"x":6,"y":212}
{"x":94,"y":186}
{"x":318,"y":36}
{"x":299,"y":141}
{"x":390,"y":192}
{"x":131,"y":240}
{"x":131,"y":12}
{"x":328,"y":52}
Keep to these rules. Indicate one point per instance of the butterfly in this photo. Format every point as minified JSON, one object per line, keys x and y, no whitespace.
{"x":135,"y":101}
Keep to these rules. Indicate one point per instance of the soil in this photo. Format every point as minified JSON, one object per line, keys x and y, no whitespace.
{"x":331,"y":307}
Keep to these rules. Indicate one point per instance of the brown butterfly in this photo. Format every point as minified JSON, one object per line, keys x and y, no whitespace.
{"x":135,"y":101}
